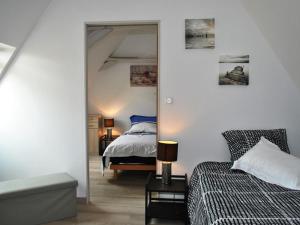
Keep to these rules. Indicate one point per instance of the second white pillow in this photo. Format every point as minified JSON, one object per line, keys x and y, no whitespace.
{"x":142,"y":128}
{"x":267,"y":162}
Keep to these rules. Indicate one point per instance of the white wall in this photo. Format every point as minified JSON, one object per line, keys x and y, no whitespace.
{"x":42,"y":99}
{"x":111,"y":95}
{"x":279,"y":23}
{"x":17,"y":18}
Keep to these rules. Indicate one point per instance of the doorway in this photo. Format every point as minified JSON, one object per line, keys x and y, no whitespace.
{"x":116,"y":54}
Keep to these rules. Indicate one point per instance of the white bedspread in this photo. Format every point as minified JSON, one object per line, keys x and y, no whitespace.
{"x":142,"y":145}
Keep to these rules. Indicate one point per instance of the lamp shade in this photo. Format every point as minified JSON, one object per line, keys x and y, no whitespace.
{"x":167,"y":151}
{"x":109,"y":123}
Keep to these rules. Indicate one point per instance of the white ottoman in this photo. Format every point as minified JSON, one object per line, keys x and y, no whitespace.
{"x":37,"y":200}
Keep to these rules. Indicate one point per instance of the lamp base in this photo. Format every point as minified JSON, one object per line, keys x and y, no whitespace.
{"x":109,"y":133}
{"x":166,"y":173}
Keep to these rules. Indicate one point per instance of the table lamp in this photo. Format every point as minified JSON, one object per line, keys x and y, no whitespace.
{"x":167,"y":153}
{"x":109,"y":124}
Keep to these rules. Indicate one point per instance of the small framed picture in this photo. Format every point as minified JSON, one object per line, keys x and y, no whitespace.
{"x":143,"y":75}
{"x":199,"y":33}
{"x":234,"y":69}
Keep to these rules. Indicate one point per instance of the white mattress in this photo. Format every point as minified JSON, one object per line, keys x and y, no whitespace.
{"x":142,"y":145}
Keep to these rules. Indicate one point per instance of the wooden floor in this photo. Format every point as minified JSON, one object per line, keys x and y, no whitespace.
{"x":114,"y":200}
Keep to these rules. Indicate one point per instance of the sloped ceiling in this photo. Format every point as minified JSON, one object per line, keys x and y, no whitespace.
{"x":111,"y":44}
{"x":17,"y":18}
{"x":138,"y":45}
{"x":140,"y":41}
{"x":278,"y":21}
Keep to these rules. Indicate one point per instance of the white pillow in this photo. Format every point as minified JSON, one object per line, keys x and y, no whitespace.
{"x":267,"y":162}
{"x":142,"y":128}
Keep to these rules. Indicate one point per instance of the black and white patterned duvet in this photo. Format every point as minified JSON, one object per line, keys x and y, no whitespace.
{"x":220,"y":196}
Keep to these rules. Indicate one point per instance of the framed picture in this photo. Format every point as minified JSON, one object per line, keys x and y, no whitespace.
{"x":199,"y":33}
{"x":234,"y":69}
{"x":143,"y":75}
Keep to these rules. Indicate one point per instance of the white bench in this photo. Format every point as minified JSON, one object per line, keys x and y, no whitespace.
{"x":37,"y":200}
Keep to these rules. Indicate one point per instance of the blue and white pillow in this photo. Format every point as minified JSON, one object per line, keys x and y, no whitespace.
{"x":135,"y":119}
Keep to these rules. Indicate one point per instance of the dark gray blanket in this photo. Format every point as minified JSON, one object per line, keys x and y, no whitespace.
{"x":218,"y":196}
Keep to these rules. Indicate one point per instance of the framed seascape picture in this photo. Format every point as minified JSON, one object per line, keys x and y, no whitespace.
{"x":199,"y":33}
{"x":143,"y":75}
{"x":234,"y":69}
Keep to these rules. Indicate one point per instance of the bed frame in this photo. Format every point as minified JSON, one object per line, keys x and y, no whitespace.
{"x":132,"y":163}
{"x":140,"y":167}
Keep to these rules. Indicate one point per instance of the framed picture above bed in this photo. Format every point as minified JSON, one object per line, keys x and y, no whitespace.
{"x":143,"y":75}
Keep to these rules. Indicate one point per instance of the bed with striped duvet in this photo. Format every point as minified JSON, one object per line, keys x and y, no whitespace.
{"x":220,"y":196}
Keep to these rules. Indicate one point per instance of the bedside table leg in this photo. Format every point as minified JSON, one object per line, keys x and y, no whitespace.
{"x":146,"y":205}
{"x":187,"y":222}
{"x":115,"y":173}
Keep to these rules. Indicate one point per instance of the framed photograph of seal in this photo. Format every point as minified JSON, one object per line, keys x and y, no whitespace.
{"x":234,"y":69}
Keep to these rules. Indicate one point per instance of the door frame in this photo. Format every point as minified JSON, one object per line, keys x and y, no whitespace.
{"x":116,"y":23}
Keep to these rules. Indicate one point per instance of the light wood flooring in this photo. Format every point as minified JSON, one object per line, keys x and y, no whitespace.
{"x":114,"y":200}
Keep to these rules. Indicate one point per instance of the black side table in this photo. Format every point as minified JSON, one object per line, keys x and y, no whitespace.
{"x":104,"y":141}
{"x":165,"y":207}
